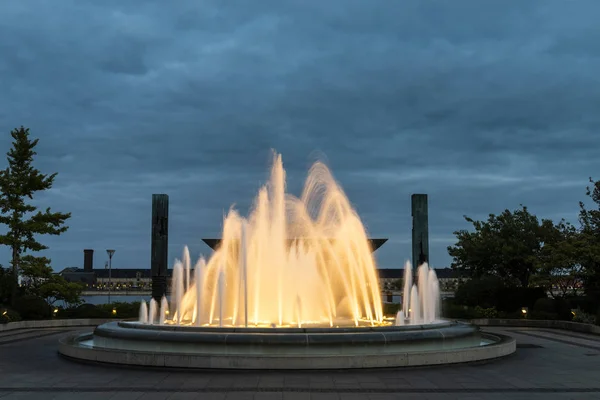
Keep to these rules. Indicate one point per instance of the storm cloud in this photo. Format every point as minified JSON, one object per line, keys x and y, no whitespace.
{"x":482,"y":105}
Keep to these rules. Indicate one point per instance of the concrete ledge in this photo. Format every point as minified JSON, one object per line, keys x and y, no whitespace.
{"x":533,"y":323}
{"x":70,"y":348}
{"x":54,"y":323}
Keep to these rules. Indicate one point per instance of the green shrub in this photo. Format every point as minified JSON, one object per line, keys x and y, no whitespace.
{"x":483,"y":292}
{"x":32,"y":307}
{"x":84,"y":311}
{"x":510,"y":315}
{"x":389,"y":309}
{"x":486,"y":312}
{"x":451,"y":310}
{"x":122,"y":310}
{"x":584,"y":303}
{"x":555,"y":309}
{"x":584,"y":318}
{"x":8,"y":315}
{"x":543,"y":315}
{"x":514,"y":298}
{"x":544,"y":305}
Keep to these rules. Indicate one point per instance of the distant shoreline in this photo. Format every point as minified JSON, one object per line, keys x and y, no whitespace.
{"x":91,"y":293}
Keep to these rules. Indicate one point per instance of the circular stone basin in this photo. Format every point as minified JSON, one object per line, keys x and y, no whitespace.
{"x":132,"y":343}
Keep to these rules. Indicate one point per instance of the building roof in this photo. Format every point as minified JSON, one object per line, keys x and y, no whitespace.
{"x":118,"y":273}
{"x":398,"y":273}
{"x":132,"y":273}
{"x":375,"y":243}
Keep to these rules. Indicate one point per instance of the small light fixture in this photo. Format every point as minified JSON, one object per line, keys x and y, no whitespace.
{"x":573,"y":310}
{"x":114,"y":311}
{"x":524,"y":311}
{"x":5,"y":312}
{"x":55,"y":310}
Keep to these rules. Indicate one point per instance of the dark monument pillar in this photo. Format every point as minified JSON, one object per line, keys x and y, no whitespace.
{"x":420,"y":230}
{"x":160,"y":245}
{"x":88,"y":260}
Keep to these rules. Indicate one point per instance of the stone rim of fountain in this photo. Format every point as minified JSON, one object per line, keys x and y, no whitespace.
{"x":70,"y":348}
{"x":382,"y":336}
{"x":282,"y":330}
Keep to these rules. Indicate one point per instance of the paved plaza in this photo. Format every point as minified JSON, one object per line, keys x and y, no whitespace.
{"x":549,"y":364}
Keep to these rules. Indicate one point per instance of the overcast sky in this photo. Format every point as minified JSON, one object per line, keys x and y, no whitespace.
{"x":483,"y":105}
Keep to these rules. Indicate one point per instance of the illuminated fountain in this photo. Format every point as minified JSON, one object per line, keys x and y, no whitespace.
{"x":293,"y":262}
{"x":294,"y":285}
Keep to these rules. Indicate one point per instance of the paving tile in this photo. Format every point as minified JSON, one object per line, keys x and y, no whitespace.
{"x":268,"y":396}
{"x":152,"y":396}
{"x":78,"y":396}
{"x":34,"y":364}
{"x":296,"y":396}
{"x":128,"y":396}
{"x":324,"y":396}
{"x":184,"y":396}
{"x":240,"y":396}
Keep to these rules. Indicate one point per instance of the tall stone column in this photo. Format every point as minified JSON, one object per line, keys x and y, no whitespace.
{"x":160,"y":245}
{"x":420,"y":229}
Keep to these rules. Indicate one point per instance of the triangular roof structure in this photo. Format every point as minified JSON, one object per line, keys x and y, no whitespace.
{"x":375,"y":243}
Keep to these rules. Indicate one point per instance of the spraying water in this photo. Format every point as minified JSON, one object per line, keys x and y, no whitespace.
{"x":152,"y":312}
{"x":292,"y":262}
{"x":421,"y":301}
{"x":143,"y":312}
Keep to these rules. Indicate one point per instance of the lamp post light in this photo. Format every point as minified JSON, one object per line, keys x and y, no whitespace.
{"x":110,"y":254}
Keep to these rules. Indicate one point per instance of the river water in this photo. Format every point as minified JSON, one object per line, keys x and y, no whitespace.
{"x":115,"y":298}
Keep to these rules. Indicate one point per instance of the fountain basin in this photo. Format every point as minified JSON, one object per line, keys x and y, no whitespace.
{"x":138,"y":344}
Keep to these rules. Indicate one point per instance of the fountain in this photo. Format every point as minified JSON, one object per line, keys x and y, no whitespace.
{"x":293,"y":285}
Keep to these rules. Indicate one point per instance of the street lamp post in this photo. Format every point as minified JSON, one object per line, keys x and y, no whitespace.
{"x":110,"y":254}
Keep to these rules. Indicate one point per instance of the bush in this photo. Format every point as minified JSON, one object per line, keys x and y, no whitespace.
{"x":32,"y":307}
{"x":584,"y":303}
{"x":84,"y":311}
{"x":8,"y":315}
{"x":510,"y":315}
{"x":122,"y":310}
{"x":584,"y":318}
{"x":512,"y":299}
{"x":389,"y":309}
{"x":451,"y":310}
{"x":543,"y":315}
{"x":483,"y":292}
{"x":554,"y":309}
{"x":544,"y":305}
{"x":486,"y":312}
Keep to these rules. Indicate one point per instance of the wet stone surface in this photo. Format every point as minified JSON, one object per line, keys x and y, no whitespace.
{"x":549,"y":364}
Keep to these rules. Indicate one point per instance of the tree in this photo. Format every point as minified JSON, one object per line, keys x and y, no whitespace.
{"x":58,"y":289}
{"x":560,"y":260}
{"x":40,"y":281}
{"x":19,"y":182}
{"x":397,"y":284}
{"x":5,"y":284}
{"x":506,"y":245}
{"x":590,"y":236}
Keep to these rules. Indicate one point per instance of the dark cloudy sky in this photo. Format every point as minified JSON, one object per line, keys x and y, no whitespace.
{"x":481,"y":104}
